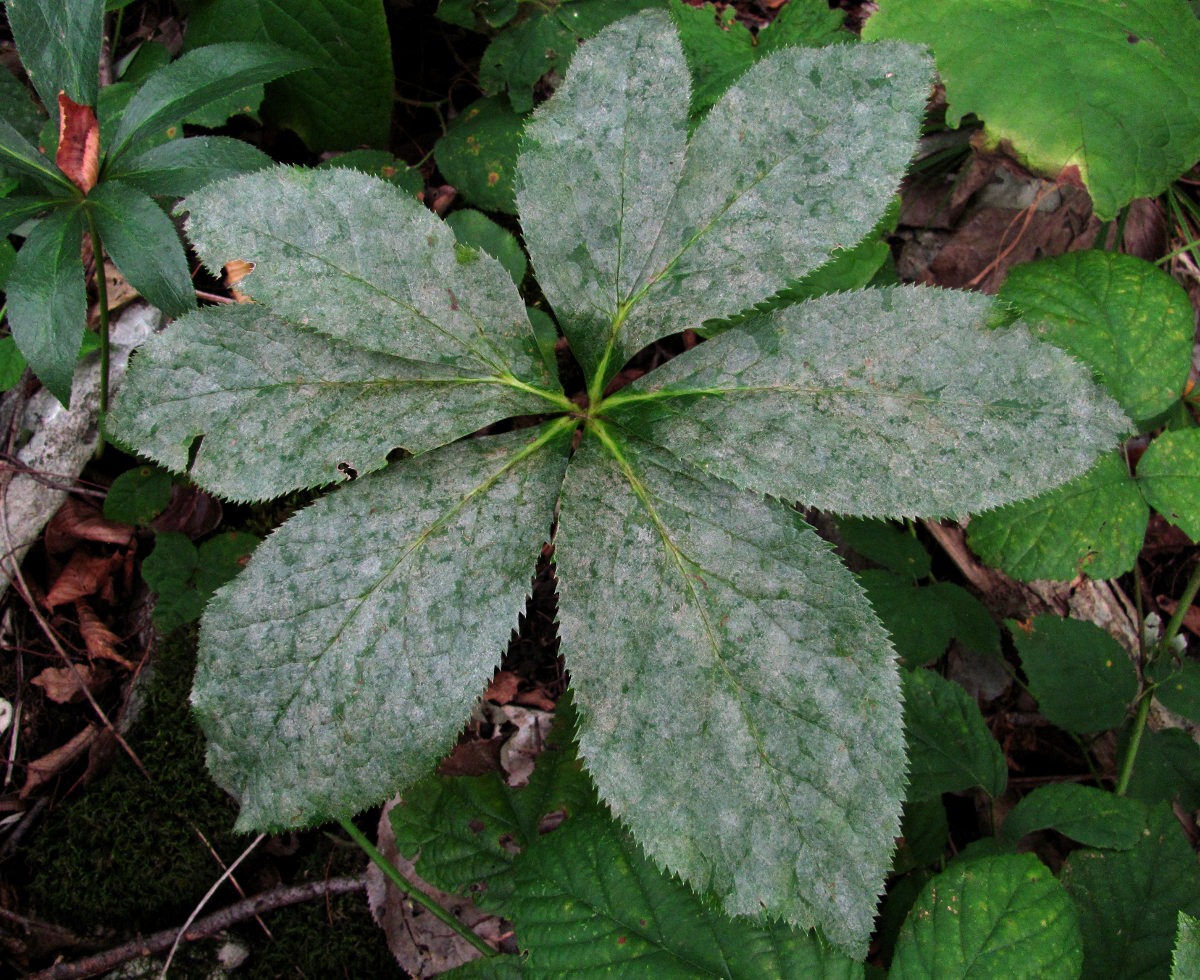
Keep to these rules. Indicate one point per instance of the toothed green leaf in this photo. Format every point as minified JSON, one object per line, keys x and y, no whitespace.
{"x":1185,"y":962}
{"x":59,"y":44}
{"x":881,"y":402}
{"x":1129,"y":900}
{"x":281,"y":407}
{"x":1169,"y":476}
{"x":633,"y":239}
{"x":1001,"y":916}
{"x":358,"y":259}
{"x":1083,"y":813}
{"x":589,"y":903}
{"x":771,"y":722}
{"x":1082,"y":678}
{"x":949,"y":745}
{"x":366,"y":591}
{"x":1093,"y":525}
{"x":1127,"y":320}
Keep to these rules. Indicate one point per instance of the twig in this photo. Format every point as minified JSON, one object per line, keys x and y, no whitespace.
{"x":203,"y":928}
{"x":228,"y":873}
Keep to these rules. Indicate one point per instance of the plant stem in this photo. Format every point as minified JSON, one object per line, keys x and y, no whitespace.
{"x":1135,"y":741}
{"x":102,"y":299}
{"x":1185,"y":603}
{"x":410,"y":890}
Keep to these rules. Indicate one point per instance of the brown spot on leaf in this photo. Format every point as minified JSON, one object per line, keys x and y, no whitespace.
{"x":493,"y":178}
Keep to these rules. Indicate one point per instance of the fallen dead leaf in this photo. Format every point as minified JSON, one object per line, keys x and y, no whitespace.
{"x":64,"y":685}
{"x":503,"y":688}
{"x":78,"y":153}
{"x":422,"y":945}
{"x":77,"y":520}
{"x":520,"y":750}
{"x":84,"y":575}
{"x":101,"y":642}
{"x":52,"y":763}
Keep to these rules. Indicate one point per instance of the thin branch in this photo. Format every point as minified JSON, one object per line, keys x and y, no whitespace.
{"x":203,"y":928}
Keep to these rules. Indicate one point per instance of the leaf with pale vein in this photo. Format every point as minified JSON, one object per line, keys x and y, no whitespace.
{"x":740,"y":706}
{"x":881,"y":403}
{"x":281,"y":407}
{"x":179,"y":167}
{"x":598,"y":171}
{"x":361,"y":615}
{"x":359,"y":259}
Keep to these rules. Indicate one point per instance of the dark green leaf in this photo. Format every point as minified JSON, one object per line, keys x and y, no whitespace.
{"x":1169,"y":476}
{"x":18,"y":108}
{"x":1127,"y":320}
{"x":1083,"y":813}
{"x":59,"y":44}
{"x":992,"y":917}
{"x":18,"y":155}
{"x":885,"y":403}
{"x":924,"y":830}
{"x":220,"y":558}
{"x":464,"y":831}
{"x":180,"y":167}
{"x":1102,"y":90}
{"x":15,"y":211}
{"x":918,"y":621}
{"x":478,"y":154}
{"x":169,"y":571}
{"x":138,"y":496}
{"x":47,"y":304}
{"x":949,"y":745}
{"x":477,"y":231}
{"x":367,"y":588}
{"x":1129,"y":900}
{"x":886,"y":544}
{"x":1082,"y":678}
{"x":344,"y":99}
{"x":1168,"y":769}
{"x":589,"y":903}
{"x":143,"y":243}
{"x":199,"y":77}
{"x":1092,"y":525}
{"x":545,"y":41}
{"x":379,"y":163}
{"x":739,"y":723}
{"x":12,"y":364}
{"x":1178,"y":687}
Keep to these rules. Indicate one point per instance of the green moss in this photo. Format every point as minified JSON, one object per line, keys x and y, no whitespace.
{"x":124,"y":853}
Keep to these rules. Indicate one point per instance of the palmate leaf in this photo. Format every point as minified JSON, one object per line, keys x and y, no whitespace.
{"x":633,"y":239}
{"x":740,"y":708}
{"x":365,"y":588}
{"x":880,"y":403}
{"x":738,"y":698}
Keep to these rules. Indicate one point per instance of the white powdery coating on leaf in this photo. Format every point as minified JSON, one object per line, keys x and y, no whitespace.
{"x":281,"y":407}
{"x":891,"y":402}
{"x":358,"y":259}
{"x":379,"y":609}
{"x":598,"y":171}
{"x":740,"y":707}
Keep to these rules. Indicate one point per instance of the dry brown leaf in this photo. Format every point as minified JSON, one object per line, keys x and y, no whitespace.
{"x":521,"y":749}
{"x":423,"y":945}
{"x":64,"y":685}
{"x":84,"y":575}
{"x":52,"y":763}
{"x":77,"y":520}
{"x":235,"y":271}
{"x":101,"y":642}
{"x":504,"y":687}
{"x":78,"y":143}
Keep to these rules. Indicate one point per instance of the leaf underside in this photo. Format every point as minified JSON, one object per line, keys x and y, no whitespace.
{"x":740,"y":708}
{"x":364,"y":588}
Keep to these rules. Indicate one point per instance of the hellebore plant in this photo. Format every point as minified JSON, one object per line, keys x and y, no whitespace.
{"x":739,"y":704}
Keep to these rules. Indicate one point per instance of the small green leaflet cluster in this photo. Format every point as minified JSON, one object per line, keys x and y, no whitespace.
{"x":59,"y":43}
{"x":739,"y":705}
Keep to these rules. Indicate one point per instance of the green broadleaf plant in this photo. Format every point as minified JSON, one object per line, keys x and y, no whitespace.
{"x":110,"y":195}
{"x":738,"y":700}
